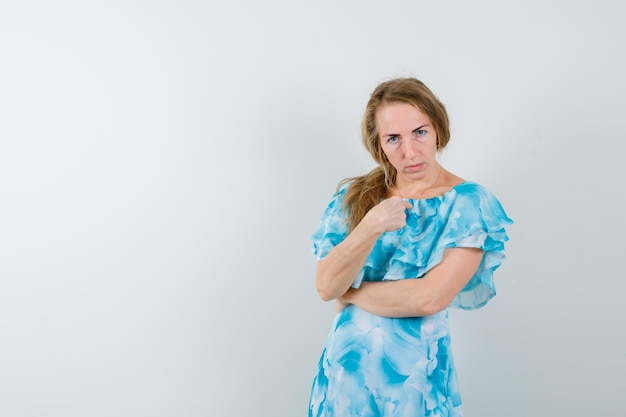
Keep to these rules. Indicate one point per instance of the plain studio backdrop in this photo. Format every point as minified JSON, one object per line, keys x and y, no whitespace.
{"x":163,"y":165}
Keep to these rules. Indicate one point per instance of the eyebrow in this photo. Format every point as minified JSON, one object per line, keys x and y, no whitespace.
{"x":413,"y":131}
{"x":421,"y":127}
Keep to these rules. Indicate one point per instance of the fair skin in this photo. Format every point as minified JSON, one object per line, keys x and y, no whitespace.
{"x":409,"y":142}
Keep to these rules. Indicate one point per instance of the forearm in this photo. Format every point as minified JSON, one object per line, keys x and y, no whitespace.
{"x":336,"y":272}
{"x":402,"y":298}
{"x":418,"y":297}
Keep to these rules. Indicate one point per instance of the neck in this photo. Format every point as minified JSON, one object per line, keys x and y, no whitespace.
{"x":418,"y":189}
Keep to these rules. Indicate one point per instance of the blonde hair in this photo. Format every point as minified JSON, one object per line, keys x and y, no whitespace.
{"x":367,"y":190}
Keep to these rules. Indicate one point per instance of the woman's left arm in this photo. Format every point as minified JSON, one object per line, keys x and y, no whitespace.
{"x":418,"y":297}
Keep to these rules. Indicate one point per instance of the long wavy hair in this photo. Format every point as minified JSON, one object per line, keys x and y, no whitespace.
{"x":367,"y":190}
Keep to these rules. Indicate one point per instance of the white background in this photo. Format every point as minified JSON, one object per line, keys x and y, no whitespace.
{"x":163,"y":165}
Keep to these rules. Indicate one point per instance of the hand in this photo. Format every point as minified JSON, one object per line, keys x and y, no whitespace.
{"x":340,"y":304}
{"x":389,"y":214}
{"x":344,"y":301}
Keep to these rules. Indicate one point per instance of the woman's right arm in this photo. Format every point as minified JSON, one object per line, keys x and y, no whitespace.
{"x":336,"y":272}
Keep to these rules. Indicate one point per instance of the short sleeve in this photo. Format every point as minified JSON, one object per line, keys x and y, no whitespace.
{"x":332,"y":226}
{"x":476,"y":220}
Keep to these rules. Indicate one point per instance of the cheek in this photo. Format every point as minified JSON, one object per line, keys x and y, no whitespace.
{"x":394,"y":160}
{"x":387,"y":154}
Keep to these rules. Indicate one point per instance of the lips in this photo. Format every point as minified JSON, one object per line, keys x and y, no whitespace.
{"x":414,"y":167}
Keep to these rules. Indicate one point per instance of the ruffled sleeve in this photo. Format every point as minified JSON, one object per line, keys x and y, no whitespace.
{"x":332,"y":227}
{"x":475,"y":219}
{"x":468,"y":216}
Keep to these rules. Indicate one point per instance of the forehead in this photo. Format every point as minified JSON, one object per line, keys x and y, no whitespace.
{"x":398,"y":115}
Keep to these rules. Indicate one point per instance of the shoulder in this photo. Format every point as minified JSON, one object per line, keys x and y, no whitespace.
{"x":340,"y":192}
{"x":471,"y":195}
{"x":469,"y":188}
{"x":335,"y":205}
{"x":468,"y":197}
{"x":472,"y":190}
{"x":344,"y":185}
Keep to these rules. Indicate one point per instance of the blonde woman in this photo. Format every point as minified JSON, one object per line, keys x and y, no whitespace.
{"x":396,"y":248}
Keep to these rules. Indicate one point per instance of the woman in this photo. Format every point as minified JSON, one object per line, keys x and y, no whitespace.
{"x":396,"y":247}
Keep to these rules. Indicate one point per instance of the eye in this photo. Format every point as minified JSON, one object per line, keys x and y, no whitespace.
{"x":393,"y":139}
{"x":419,"y":135}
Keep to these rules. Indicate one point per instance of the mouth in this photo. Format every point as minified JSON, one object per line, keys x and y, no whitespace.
{"x":414,"y":167}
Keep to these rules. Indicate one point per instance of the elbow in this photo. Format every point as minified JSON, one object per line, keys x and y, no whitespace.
{"x":326,"y":287}
{"x":432,"y":304}
{"x":431,"y":308}
{"x":324,"y":292}
{"x":325,"y":296}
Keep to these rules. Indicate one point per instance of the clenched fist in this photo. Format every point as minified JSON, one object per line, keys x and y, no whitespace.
{"x":389,"y":215}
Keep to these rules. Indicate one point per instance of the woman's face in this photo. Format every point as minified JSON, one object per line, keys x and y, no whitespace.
{"x":408,"y":139}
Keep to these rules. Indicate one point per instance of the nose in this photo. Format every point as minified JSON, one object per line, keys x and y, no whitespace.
{"x":409,"y":151}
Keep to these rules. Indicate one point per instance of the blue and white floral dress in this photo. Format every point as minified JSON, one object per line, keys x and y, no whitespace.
{"x":374,"y":366}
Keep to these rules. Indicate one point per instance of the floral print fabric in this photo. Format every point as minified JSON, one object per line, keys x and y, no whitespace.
{"x":374,"y":366}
